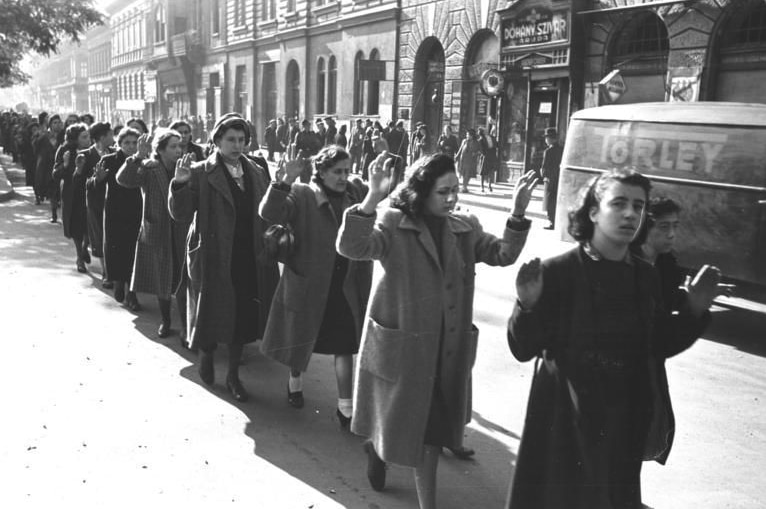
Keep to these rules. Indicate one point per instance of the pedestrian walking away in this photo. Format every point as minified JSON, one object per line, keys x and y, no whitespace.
{"x":549,"y":170}
{"x":320,"y":301}
{"x":231,"y":283}
{"x":594,"y":318}
{"x":413,"y":381}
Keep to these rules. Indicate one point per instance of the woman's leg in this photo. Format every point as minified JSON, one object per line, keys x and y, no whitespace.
{"x":295,"y":389}
{"x":425,"y":477}
{"x":233,"y":384}
{"x":344,"y":374}
{"x":80,"y":250}
{"x":164,"y":330}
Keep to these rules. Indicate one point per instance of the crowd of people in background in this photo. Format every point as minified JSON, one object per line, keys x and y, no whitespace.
{"x":353,"y":246}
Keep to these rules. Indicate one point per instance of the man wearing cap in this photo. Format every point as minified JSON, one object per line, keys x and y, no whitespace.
{"x":307,"y":145}
{"x":332,"y":131}
{"x":270,"y":137}
{"x":549,"y":170}
{"x":355,"y":142}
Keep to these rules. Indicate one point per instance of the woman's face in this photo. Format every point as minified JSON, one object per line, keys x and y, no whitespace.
{"x":186,"y":135}
{"x":443,"y":197}
{"x":231,"y":145}
{"x":662,"y":235}
{"x":336,"y":176}
{"x":172,"y":150}
{"x":138,"y":127}
{"x":618,"y":216}
{"x":129,"y":145}
{"x":83,"y":141}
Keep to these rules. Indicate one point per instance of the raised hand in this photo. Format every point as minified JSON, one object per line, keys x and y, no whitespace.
{"x":290,"y":168}
{"x":100,"y":172}
{"x":183,"y":168}
{"x":523,"y":192}
{"x":145,"y":145}
{"x":380,"y":179}
{"x":529,"y":283}
{"x":65,"y":157}
{"x":703,"y":289}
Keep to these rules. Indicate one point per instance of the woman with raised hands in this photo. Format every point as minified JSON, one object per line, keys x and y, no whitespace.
{"x":231,"y":283}
{"x":413,"y":382}
{"x":320,"y":301}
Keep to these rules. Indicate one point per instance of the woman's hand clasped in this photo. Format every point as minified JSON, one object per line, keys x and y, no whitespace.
{"x":523,"y":192}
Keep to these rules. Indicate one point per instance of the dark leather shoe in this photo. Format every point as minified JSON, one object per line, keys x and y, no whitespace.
{"x":462,"y":453}
{"x":164,"y":330}
{"x":295,"y":398}
{"x":206,"y":368}
{"x":376,"y":468}
{"x":81,"y":267}
{"x":549,"y":227}
{"x":106,"y":284}
{"x":86,"y":256}
{"x":119,"y":292}
{"x":345,"y":422}
{"x":132,"y":302}
{"x":236,"y":389}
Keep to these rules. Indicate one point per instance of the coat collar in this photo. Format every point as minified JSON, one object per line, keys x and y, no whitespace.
{"x":215,"y":168}
{"x":455,"y":225}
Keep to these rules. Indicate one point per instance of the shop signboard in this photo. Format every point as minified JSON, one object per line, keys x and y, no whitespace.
{"x":613,"y":87}
{"x":534,"y":26}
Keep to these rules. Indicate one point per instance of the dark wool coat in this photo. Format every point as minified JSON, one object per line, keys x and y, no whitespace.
{"x":95,"y":192}
{"x":417,"y":303}
{"x":73,"y":209}
{"x":566,"y":403}
{"x":46,"y":155}
{"x":207,"y":202}
{"x":299,"y":302}
{"x":122,"y":221}
{"x":160,"y":249}
{"x":467,"y":157}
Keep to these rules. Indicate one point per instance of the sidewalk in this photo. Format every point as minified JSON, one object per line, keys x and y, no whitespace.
{"x":501,"y":198}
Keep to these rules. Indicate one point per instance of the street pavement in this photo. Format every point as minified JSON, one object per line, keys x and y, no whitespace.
{"x":99,"y":412}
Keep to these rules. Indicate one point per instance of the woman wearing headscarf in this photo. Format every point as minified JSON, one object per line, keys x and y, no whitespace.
{"x":413,"y":383}
{"x":158,"y":264}
{"x":122,"y":218}
{"x":74,"y":212}
{"x":231,"y":282}
{"x":319,"y":303}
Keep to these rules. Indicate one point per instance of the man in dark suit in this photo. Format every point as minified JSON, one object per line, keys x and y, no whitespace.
{"x":550,"y":173}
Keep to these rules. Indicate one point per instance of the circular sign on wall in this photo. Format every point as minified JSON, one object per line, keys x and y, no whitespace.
{"x":492,"y":82}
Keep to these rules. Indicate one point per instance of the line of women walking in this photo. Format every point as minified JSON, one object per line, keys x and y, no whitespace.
{"x":394,"y":283}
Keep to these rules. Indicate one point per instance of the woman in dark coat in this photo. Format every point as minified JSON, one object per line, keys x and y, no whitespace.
{"x":320,"y":301}
{"x":368,"y":153}
{"x":102,"y":136}
{"x":489,"y":159}
{"x":27,"y":151}
{"x":45,"y":148}
{"x":74,"y":212}
{"x":122,"y":219}
{"x":599,"y":403}
{"x":231,"y":282}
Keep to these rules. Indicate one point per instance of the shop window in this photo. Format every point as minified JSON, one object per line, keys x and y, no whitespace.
{"x":746,"y":28}
{"x":160,"y":23}
{"x":321,"y":75}
{"x":332,"y":85}
{"x":373,"y":89}
{"x":358,"y":86}
{"x":643,"y":37}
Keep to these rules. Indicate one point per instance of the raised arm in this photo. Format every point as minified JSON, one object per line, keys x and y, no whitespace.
{"x":278,"y":204}
{"x":527,"y":334}
{"x":183,"y":198}
{"x":132,"y":172}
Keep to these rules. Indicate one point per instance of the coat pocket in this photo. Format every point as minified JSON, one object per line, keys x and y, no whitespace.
{"x":382,"y":351}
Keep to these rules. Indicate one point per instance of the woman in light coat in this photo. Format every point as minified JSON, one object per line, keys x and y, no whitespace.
{"x":413,"y":383}
{"x":467,"y":157}
{"x":158,"y":264}
{"x":320,"y":301}
{"x":231,"y":282}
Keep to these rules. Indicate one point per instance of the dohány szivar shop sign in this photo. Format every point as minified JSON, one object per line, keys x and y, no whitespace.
{"x":534,"y":26}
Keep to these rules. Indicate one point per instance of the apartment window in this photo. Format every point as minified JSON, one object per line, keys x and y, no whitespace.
{"x":358,"y":86}
{"x":321,"y":75}
{"x":240,"y":91}
{"x":373,"y":89}
{"x":160,"y":23}
{"x":290,"y":5}
{"x":269,"y":9}
{"x":332,"y":85}
{"x":215,"y":17}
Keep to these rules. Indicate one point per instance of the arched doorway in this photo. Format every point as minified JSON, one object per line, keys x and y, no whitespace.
{"x":640,"y":51}
{"x":293,"y":90}
{"x":428,"y":87}
{"x":739,"y":67}
{"x":482,"y":54}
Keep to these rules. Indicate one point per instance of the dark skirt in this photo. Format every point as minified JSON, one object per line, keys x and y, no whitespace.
{"x":337,"y":334}
{"x":95,"y":205}
{"x":78,"y":217}
{"x":122,"y":222}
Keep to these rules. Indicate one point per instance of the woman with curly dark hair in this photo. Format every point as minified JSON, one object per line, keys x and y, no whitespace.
{"x":599,"y":403}
{"x":69,"y":169}
{"x":413,"y":381}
